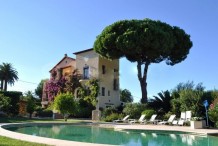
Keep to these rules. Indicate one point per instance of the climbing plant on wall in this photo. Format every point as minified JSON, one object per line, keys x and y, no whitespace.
{"x":90,"y":91}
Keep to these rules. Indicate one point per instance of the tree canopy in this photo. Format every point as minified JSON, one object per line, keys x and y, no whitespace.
{"x":8,"y":75}
{"x":145,"y":42}
{"x":39,"y":88}
{"x":64,"y":103}
{"x":125,"y":95}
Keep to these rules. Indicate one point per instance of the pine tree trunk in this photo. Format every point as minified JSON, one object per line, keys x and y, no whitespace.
{"x":142,"y":80}
{"x":144,"y":98}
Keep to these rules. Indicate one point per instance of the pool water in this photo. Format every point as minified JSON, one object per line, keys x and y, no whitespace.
{"x":95,"y":134}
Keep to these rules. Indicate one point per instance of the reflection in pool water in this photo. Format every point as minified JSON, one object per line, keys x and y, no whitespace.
{"x":95,"y":134}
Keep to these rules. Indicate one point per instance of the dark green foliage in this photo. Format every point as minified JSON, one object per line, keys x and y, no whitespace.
{"x":148,"y":113}
{"x":187,"y":96}
{"x":83,"y":109}
{"x":90,"y":92}
{"x":144,"y":42}
{"x":210,"y":96}
{"x":126,"y":96}
{"x":120,"y":108}
{"x":30,"y":106}
{"x":134,"y":109}
{"x":161,"y":103}
{"x":39,"y":88}
{"x":189,"y":85}
{"x":108,"y":111}
{"x":64,"y":103}
{"x":4,"y":103}
{"x":8,"y":75}
{"x":167,"y":115}
{"x":112,"y":117}
{"x":15,"y":98}
{"x":43,"y":112}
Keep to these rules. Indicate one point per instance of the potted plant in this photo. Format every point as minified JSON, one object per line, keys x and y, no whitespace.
{"x":197,"y":122}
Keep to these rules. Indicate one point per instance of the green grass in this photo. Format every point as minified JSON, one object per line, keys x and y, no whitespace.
{"x":5,"y":141}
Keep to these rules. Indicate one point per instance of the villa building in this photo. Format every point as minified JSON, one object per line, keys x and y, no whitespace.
{"x":91,"y":65}
{"x":65,"y":67}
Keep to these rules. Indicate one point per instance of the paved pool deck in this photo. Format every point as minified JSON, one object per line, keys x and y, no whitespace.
{"x":56,"y":142}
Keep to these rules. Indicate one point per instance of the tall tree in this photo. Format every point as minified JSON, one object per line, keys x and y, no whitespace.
{"x":144,"y":42}
{"x":39,"y":88}
{"x":125,"y":95}
{"x":8,"y":75}
{"x":30,"y":103}
{"x":65,"y":104}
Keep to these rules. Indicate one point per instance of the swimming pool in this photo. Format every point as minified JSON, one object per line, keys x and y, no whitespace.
{"x":96,"y":134}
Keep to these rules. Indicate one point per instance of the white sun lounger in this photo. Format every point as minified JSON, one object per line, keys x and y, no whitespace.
{"x":152,"y":120}
{"x":170,"y":120}
{"x":122,"y":120}
{"x":140,"y":120}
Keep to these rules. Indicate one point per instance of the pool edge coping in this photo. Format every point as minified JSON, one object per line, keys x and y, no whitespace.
{"x":59,"y":142}
{"x":41,"y":140}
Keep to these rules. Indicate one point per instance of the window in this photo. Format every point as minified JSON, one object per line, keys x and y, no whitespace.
{"x":103,"y":91}
{"x":103,"y":69}
{"x":115,"y":84}
{"x":109,"y":93}
{"x":86,"y":72}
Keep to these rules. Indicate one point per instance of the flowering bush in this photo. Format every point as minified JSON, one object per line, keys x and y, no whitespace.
{"x":53,"y":87}
{"x":213,"y":113}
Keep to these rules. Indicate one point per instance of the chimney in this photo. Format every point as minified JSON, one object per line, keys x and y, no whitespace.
{"x":65,"y":55}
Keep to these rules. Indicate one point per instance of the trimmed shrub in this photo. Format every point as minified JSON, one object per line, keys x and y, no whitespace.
{"x":108,"y":111}
{"x":83,"y":109}
{"x":167,"y":115}
{"x":44,"y":113}
{"x":148,"y":113}
{"x":113,"y":116}
{"x":15,"y":98}
{"x":83,"y":112}
{"x":64,"y":104}
{"x":4,"y":104}
{"x":134,"y":109}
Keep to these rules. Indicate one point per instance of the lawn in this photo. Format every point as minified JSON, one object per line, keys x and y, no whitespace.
{"x":5,"y":141}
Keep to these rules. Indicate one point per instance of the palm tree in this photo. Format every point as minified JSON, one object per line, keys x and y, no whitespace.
{"x":8,"y":75}
{"x":1,"y":80}
{"x":161,"y":102}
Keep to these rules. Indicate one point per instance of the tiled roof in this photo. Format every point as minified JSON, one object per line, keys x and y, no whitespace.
{"x":65,"y":56}
{"x":83,"y":51}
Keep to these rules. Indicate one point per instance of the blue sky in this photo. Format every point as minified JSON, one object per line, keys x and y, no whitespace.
{"x":35,"y":35}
